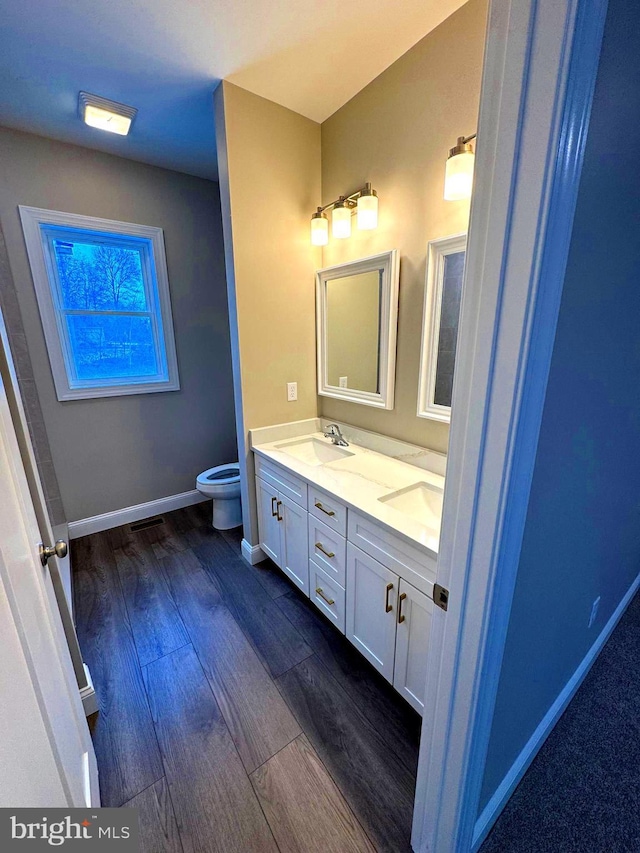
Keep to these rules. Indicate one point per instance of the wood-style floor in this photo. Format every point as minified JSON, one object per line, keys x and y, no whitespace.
{"x":232,"y":714}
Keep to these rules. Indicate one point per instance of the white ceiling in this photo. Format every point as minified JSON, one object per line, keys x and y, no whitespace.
{"x":166,"y":57}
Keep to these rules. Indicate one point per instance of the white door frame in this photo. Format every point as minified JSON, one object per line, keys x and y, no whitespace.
{"x":541,"y":60}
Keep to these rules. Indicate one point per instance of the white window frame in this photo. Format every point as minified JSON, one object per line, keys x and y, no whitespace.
{"x":156,"y":283}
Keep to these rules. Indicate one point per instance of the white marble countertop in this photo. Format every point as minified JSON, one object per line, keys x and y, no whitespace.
{"x":360,"y":480}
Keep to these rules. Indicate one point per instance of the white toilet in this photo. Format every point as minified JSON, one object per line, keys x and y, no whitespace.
{"x":223,"y":485}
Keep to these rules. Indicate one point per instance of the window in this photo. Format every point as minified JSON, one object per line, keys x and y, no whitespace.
{"x":103,"y":294}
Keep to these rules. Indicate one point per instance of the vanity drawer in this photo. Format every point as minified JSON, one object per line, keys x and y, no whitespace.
{"x":328,"y":549}
{"x":282,"y":480}
{"x":327,"y":595}
{"x":407,"y":560}
{"x":328,"y":509}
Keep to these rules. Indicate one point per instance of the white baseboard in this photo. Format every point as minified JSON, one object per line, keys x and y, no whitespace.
{"x":252,"y":553}
{"x":492,"y":810}
{"x":108,"y":520}
{"x":88,"y":695}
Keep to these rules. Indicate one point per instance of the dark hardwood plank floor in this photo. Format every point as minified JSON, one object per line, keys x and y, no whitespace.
{"x":123,"y":733}
{"x":375,"y":697}
{"x":266,"y":573}
{"x":215,"y":805}
{"x":156,"y":623}
{"x":258,"y":718}
{"x":158,"y":828}
{"x":303,"y":805}
{"x":376,"y":784}
{"x":273,"y":636}
{"x":208,"y":741}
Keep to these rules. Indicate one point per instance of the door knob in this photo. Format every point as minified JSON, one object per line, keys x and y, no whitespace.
{"x":58,"y":550}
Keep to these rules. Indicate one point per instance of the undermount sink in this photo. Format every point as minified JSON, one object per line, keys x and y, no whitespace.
{"x":420,"y":501}
{"x":313,"y":451}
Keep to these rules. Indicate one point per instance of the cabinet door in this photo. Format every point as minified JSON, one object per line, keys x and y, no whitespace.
{"x":372,"y":592}
{"x":268,"y":525}
{"x":412,"y":643}
{"x":293,"y":543}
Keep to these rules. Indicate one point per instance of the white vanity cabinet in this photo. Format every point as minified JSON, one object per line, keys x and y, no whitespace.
{"x":372,"y":592}
{"x":373,"y":585}
{"x":282,"y":521}
{"x":388,"y":620}
{"x":412,"y":644}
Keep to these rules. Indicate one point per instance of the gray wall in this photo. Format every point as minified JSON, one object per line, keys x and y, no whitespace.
{"x":582,"y":535}
{"x":110,"y":453}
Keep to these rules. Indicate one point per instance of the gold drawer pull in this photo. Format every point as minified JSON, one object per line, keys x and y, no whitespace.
{"x":388,"y":607}
{"x":278,"y":505}
{"x":319,"y":506}
{"x":274,"y":512}
{"x":403,"y":595}
{"x":329,"y":601}
{"x":329,"y":554}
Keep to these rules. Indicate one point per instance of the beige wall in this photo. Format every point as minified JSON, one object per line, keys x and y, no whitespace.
{"x":396,"y":133}
{"x":112,"y":452}
{"x":269,"y":161}
{"x":353,"y":323}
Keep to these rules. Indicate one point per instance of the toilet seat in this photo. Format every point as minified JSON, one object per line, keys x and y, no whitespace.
{"x":221,"y":475}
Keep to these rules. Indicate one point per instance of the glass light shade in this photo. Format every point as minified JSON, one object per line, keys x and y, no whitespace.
{"x":458,"y":178}
{"x":367,"y":212}
{"x":106,"y":120}
{"x":341,"y":222}
{"x":319,"y":230}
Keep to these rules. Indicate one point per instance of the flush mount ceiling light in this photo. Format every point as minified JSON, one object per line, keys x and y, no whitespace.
{"x":104,"y":114}
{"x":458,"y":177}
{"x":364,"y":201}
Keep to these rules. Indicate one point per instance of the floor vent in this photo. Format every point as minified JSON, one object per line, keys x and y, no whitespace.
{"x":143,"y":525}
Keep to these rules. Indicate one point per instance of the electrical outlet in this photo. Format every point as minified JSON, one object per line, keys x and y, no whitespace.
{"x":594,"y":611}
{"x":292,"y":391}
{"x":342,"y":382}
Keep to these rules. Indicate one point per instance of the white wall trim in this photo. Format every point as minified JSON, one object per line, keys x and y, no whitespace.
{"x":108,"y":520}
{"x":88,"y":694}
{"x":492,"y":810}
{"x":252,"y":553}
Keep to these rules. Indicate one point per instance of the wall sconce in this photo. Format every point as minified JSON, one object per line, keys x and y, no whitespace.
{"x":364,"y":201}
{"x":458,"y":176}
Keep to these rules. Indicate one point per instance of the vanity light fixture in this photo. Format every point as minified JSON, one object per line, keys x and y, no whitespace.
{"x":458,"y":177}
{"x":364,"y":201}
{"x":319,"y":228}
{"x":105,"y":114}
{"x":341,"y":219}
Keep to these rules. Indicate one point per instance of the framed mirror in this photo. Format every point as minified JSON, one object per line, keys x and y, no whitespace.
{"x":357,"y":317}
{"x":443,"y":295}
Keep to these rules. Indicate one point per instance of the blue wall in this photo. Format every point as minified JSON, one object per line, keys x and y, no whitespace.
{"x":582,"y":535}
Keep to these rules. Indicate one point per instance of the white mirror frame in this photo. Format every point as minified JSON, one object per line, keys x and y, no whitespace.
{"x":388,"y":263}
{"x":437,"y":251}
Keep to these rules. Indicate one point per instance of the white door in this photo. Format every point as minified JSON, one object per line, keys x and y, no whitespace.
{"x":412,"y":644}
{"x":47,"y":754}
{"x":268,"y":526}
{"x":372,"y":595}
{"x":293,"y":539}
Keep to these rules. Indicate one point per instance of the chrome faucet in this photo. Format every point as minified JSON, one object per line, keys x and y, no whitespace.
{"x":332,"y":431}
